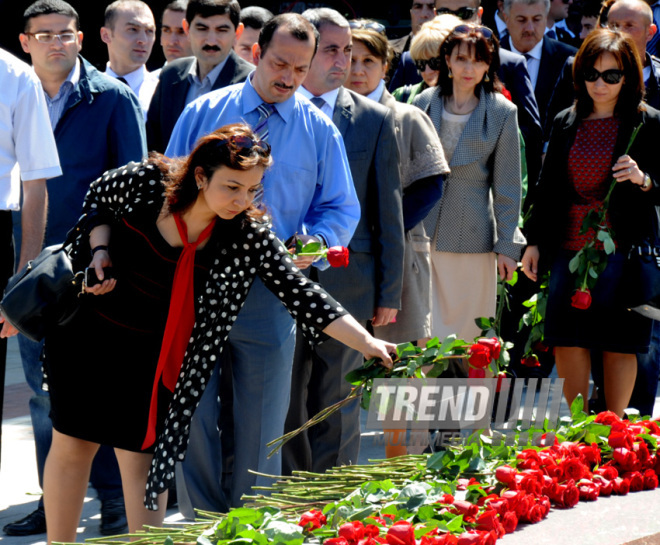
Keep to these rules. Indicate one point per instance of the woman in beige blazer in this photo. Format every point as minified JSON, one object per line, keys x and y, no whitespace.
{"x":474,"y":228}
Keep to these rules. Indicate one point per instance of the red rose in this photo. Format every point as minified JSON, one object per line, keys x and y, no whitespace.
{"x":335,"y":541}
{"x":590,"y":454}
{"x":651,"y":425}
{"x":581,"y":299}
{"x":505,"y":474}
{"x":352,"y":531}
{"x":401,"y":533}
{"x":312,"y":520}
{"x":635,"y":479}
{"x":447,"y":498}
{"x":371,"y":530}
{"x":534,"y":514}
{"x":493,"y":344}
{"x":509,"y":521}
{"x":627,"y":459}
{"x":500,"y":377}
{"x":641,"y":451}
{"x":607,"y":417}
{"x":479,"y":355}
{"x":465,"y":508}
{"x":572,"y":468}
{"x":488,"y":520}
{"x":620,"y":486}
{"x":337,"y":256}
{"x":588,"y":490}
{"x":619,"y":439}
{"x":473,"y":537}
{"x":476,"y":373}
{"x":605,"y":487}
{"x":608,"y":472}
{"x":530,"y":361}
{"x":529,"y":459}
{"x":650,"y":480}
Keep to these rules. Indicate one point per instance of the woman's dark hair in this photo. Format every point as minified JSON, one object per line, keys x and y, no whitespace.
{"x":222,"y":148}
{"x":375,"y":42}
{"x":624,"y":52}
{"x":483,"y":45}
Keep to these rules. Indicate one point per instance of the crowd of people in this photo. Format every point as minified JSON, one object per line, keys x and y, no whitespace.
{"x":441,"y":160}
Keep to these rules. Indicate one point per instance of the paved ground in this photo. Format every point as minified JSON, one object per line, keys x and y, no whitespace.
{"x":632,"y":519}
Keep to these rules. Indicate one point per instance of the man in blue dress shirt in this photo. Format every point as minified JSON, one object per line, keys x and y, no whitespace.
{"x":308,"y":190}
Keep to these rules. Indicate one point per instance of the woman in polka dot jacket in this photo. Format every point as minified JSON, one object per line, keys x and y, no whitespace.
{"x":129,"y":370}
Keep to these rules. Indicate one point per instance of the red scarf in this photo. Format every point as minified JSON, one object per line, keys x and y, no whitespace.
{"x":180,"y":322}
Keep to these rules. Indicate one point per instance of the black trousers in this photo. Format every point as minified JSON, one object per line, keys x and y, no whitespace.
{"x":6,"y":270}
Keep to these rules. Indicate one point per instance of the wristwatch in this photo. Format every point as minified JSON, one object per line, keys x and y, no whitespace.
{"x":647,"y":182}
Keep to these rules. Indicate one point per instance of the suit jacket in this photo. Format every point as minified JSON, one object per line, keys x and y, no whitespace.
{"x":169,"y":99}
{"x":513,"y":74}
{"x":553,"y":56}
{"x":563,"y":94}
{"x":633,"y":212}
{"x":480,"y":203}
{"x":373,"y":277}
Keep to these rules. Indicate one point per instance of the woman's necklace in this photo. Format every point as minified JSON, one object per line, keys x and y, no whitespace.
{"x":468,"y":106}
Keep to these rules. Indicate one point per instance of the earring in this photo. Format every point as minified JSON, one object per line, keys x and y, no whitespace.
{"x":450,"y":75}
{"x":486,"y":78}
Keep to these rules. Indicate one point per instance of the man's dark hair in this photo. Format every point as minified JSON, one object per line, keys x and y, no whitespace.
{"x":296,"y":25}
{"x":177,"y":5}
{"x":46,"y":7}
{"x":113,"y":9}
{"x":325,"y":16}
{"x":209,"y":8}
{"x":255,"y":17}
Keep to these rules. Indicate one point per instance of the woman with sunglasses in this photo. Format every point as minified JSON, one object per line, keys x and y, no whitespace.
{"x":585,"y":153}
{"x":474,"y":227}
{"x":424,"y":50}
{"x":184,"y":241}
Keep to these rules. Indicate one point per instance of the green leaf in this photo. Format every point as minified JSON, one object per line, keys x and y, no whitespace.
{"x":437,"y":460}
{"x":279,"y":532}
{"x":577,"y":407}
{"x":244,"y":515}
{"x":574,"y":263}
{"x":455,"y":525}
{"x":311,"y":248}
{"x":168,"y":541}
{"x":484,"y":323}
{"x":413,"y":496}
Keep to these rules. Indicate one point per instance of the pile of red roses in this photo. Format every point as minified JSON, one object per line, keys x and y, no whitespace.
{"x":559,"y":475}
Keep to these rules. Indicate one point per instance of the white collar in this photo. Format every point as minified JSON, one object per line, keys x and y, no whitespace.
{"x":330,"y":97}
{"x":134,"y":78}
{"x":377,"y":93}
{"x":535,"y":52}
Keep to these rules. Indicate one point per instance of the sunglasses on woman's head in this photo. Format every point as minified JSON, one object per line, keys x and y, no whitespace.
{"x":372,"y":25}
{"x":467,"y":29}
{"x":433,"y":63}
{"x":464,"y":13}
{"x":245,"y":143}
{"x":611,"y":77}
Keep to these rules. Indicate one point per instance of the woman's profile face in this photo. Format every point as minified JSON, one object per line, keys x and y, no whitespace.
{"x":604,"y":95}
{"x":228,"y":192}
{"x":467,"y":72}
{"x":366,"y":70}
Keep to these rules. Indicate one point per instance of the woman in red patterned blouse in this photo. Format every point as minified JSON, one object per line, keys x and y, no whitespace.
{"x":586,"y":150}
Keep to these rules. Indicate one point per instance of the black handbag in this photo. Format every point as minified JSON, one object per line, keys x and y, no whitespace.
{"x":641,"y":280}
{"x":45,"y":292}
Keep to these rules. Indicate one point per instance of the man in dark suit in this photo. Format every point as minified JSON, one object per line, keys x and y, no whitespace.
{"x":370,"y":287}
{"x":545,"y":57}
{"x":420,"y":12}
{"x":212,"y":26}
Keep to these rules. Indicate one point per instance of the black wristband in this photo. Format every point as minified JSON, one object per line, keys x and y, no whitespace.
{"x":99,"y":247}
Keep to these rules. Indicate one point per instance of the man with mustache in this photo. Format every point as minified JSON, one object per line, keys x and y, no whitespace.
{"x":212,"y":27}
{"x":129,"y":31}
{"x":309,"y":189}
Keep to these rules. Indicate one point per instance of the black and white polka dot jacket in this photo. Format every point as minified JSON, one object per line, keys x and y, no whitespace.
{"x":251,"y":250}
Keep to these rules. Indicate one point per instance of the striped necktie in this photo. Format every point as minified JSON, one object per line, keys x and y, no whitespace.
{"x":265,"y":111}
{"x":318,"y":102}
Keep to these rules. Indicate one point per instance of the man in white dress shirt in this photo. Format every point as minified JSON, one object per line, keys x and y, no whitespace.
{"x":129,"y":31}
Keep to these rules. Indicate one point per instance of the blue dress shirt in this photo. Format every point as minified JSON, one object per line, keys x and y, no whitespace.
{"x":309,"y":188}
